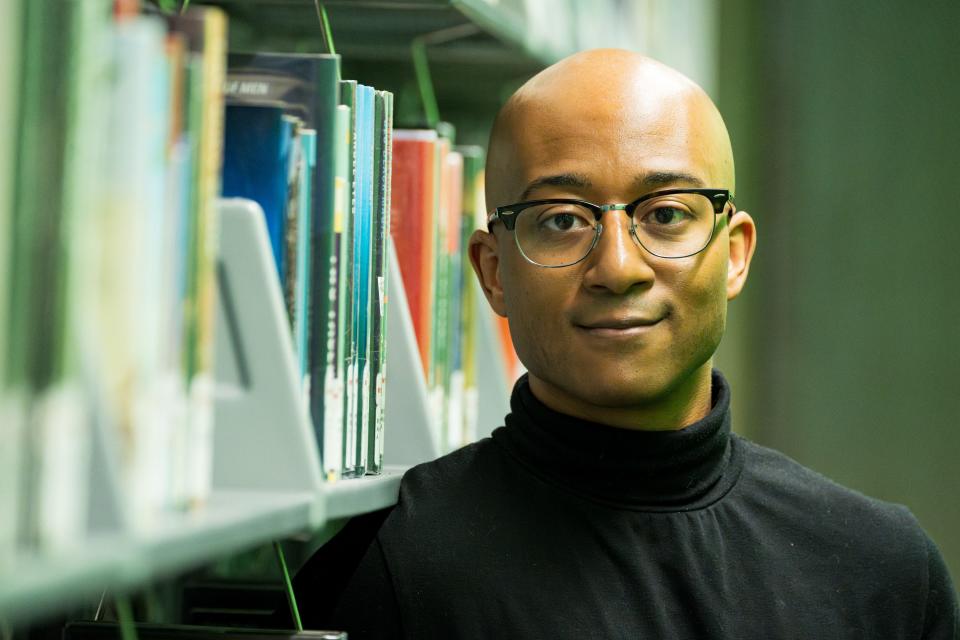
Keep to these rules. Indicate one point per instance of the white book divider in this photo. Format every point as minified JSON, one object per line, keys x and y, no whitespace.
{"x":410,"y":433}
{"x":105,"y":507}
{"x":263,"y":436}
{"x":493,"y":388}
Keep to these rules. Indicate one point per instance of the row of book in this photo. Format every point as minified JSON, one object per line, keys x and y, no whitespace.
{"x":108,"y":247}
{"x":126,"y":129}
{"x":338,"y":185}
{"x":315,"y":152}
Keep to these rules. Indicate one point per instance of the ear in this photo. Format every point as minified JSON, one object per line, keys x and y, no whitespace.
{"x":485,"y":258}
{"x":742,"y":233}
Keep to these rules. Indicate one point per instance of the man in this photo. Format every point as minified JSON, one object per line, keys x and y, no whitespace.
{"x":615,"y":503}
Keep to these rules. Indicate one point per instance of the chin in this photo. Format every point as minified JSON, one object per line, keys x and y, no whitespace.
{"x":622,"y":393}
{"x":617,"y":387}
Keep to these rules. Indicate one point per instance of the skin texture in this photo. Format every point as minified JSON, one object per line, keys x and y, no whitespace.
{"x":621,"y":125}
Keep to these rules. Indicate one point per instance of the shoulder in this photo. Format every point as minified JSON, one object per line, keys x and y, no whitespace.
{"x":838,"y":517}
{"x":466,"y":470}
{"x":872,"y":548}
{"x":442,"y":501}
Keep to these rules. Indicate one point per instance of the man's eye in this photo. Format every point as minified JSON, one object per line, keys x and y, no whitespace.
{"x":666,"y":216}
{"x":563,"y":221}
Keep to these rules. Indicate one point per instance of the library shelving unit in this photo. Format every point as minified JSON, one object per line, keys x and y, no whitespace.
{"x":267,"y":480}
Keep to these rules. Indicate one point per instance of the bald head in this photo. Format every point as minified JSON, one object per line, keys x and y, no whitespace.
{"x":612,"y":109}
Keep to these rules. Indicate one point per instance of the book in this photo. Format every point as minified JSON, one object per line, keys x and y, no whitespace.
{"x":383,"y":144}
{"x":333,"y":421}
{"x":301,"y":330}
{"x":307,"y":85}
{"x":349,"y":96}
{"x":473,"y":218}
{"x":11,"y":427}
{"x":42,"y":394}
{"x":205,"y":32}
{"x":412,"y":224}
{"x":453,"y":382}
{"x":257,"y":148}
{"x":362,"y":272}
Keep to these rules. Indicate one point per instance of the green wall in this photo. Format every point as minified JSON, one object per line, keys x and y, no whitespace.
{"x":845,"y":350}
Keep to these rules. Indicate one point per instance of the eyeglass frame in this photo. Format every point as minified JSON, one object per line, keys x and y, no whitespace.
{"x":507,"y":214}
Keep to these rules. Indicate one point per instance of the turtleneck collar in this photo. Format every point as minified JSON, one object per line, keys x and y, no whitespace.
{"x":679,"y":470}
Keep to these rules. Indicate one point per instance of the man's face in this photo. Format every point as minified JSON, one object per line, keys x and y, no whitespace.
{"x":622,"y":329}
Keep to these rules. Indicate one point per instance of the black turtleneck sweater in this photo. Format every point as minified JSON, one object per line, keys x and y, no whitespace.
{"x":560,"y":528}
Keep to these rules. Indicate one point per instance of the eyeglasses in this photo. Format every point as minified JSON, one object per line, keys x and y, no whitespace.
{"x":560,"y":232}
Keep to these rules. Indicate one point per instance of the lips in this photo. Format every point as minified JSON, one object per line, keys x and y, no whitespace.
{"x":618,"y":323}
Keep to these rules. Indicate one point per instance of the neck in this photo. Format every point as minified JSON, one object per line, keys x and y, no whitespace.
{"x":675,"y":408}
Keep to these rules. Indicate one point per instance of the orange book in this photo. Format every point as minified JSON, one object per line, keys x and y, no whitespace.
{"x":412,"y":225}
{"x":510,"y":361}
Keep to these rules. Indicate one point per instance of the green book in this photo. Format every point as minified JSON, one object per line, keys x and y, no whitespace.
{"x":348,"y":98}
{"x":473,"y":217}
{"x":333,"y":425}
{"x":382,"y":170}
{"x":11,"y":426}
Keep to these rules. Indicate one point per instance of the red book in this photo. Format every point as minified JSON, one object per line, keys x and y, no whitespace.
{"x":413,"y":223}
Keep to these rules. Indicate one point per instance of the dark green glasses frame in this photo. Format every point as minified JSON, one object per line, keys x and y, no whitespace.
{"x":507,"y":214}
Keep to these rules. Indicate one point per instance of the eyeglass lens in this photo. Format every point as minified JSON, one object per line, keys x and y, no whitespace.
{"x":669,"y":226}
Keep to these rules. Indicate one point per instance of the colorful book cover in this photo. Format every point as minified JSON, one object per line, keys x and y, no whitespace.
{"x":362,"y":272}
{"x":205,"y":30}
{"x":256,"y":165}
{"x":412,"y":224}
{"x":308,"y":87}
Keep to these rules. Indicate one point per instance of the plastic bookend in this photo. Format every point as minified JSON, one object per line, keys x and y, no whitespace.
{"x":106,"y":510}
{"x":410,"y":435}
{"x":493,"y":388}
{"x":263,"y":436}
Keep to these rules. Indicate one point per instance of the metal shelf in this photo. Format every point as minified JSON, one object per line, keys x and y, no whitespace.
{"x":354,"y":496}
{"x":38,"y":585}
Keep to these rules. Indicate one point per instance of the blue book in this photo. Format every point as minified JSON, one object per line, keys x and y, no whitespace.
{"x":362,"y":270}
{"x":256,"y":164}
{"x":307,"y":86}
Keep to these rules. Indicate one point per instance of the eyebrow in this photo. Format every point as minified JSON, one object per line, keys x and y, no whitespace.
{"x":647,"y":181}
{"x":663,"y":178}
{"x":558,"y":180}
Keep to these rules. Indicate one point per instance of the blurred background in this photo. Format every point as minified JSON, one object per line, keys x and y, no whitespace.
{"x":844,"y":351}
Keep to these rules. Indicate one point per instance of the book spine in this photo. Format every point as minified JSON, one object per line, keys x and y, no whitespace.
{"x":308,"y":141}
{"x":349,"y":96}
{"x":363,"y":274}
{"x":333,"y":424}
{"x":382,"y":149}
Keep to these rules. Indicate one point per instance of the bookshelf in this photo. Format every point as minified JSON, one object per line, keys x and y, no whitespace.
{"x":479,"y":51}
{"x":267,"y":489}
{"x":279,"y":496}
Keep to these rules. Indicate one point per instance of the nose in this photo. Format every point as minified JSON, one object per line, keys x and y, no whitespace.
{"x":617,"y":263}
